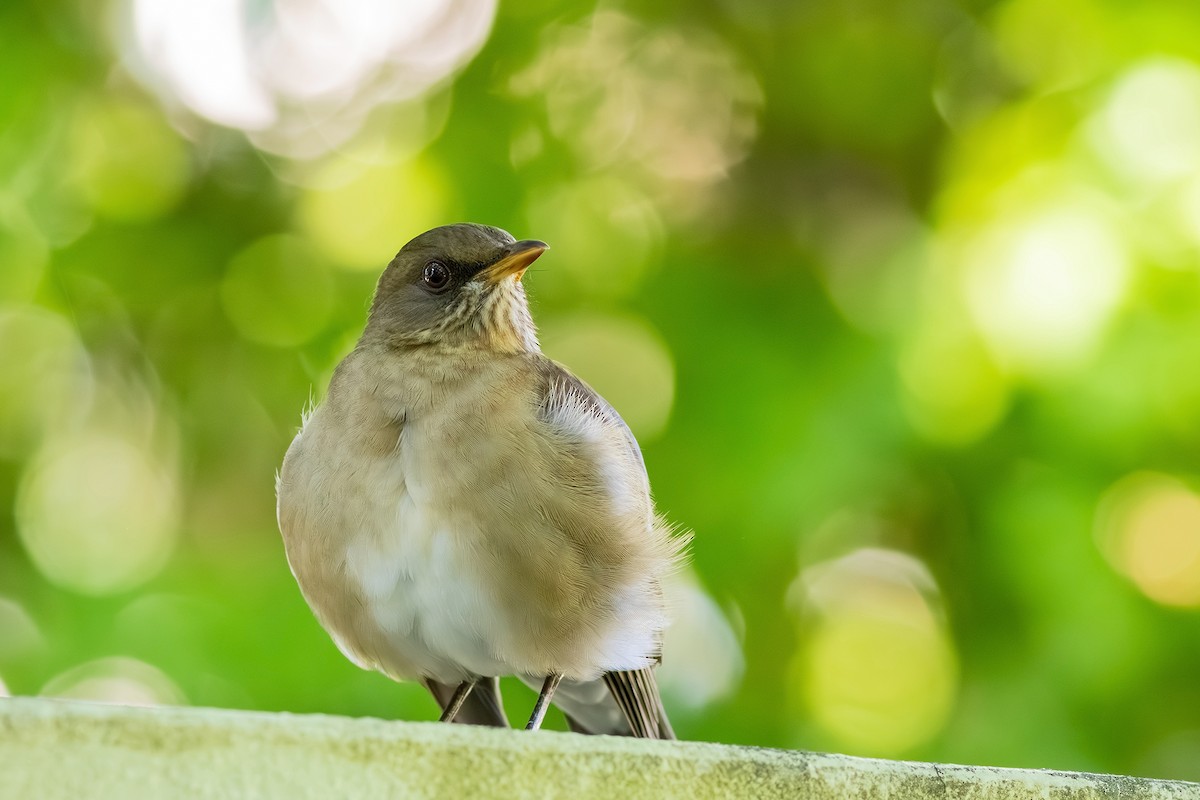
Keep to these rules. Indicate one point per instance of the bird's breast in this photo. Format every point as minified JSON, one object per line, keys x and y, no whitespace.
{"x":381,"y":555}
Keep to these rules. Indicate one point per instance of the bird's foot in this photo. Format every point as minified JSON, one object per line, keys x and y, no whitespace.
{"x":543,"y":701}
{"x":457,"y":699}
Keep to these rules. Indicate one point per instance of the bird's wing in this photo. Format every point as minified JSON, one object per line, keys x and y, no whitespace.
{"x":571,"y":407}
{"x":482,"y":706}
{"x":570,"y":404}
{"x":563,"y":393}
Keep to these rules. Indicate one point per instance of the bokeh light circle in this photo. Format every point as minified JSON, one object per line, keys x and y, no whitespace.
{"x":877,"y":669}
{"x":953,"y":392}
{"x":360,"y":213}
{"x":277,"y":291}
{"x":23,"y":252}
{"x":706,"y":662}
{"x":46,"y":380}
{"x":300,"y":77}
{"x":604,"y":233}
{"x":1148,"y":526}
{"x":1043,"y":286}
{"x":124,"y":182}
{"x":117,"y":680}
{"x":674,"y":110}
{"x":1149,"y":129}
{"x":19,"y":634}
{"x":97,"y":514}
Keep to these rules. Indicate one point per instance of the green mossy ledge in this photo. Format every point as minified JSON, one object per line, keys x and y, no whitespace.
{"x":57,"y":749}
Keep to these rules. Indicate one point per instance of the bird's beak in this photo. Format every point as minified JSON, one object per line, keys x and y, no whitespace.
{"x":516,"y":259}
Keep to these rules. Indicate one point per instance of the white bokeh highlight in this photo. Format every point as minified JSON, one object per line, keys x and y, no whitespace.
{"x":299,"y":77}
{"x":1043,"y":285}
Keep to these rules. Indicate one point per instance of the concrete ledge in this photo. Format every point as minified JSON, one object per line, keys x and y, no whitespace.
{"x":56,"y":749}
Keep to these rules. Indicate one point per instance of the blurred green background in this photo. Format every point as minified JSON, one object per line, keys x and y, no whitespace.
{"x":901,"y":298}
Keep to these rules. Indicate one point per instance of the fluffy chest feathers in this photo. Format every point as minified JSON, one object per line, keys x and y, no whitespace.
{"x":485,"y":523}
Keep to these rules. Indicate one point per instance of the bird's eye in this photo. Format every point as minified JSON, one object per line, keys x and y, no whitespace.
{"x":436,"y":276}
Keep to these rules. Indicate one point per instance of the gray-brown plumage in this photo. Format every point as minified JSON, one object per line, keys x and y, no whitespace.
{"x":461,"y":507}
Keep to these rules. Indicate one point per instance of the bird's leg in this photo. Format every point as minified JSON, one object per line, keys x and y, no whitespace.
{"x":457,"y":699}
{"x":543,"y":701}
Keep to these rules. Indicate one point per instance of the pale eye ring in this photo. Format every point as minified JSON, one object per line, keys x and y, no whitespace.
{"x":435,"y":276}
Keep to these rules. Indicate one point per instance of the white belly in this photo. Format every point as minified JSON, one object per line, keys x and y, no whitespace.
{"x":423,"y":600}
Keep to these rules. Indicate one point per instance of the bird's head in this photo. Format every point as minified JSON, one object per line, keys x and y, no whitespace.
{"x":457,"y":286}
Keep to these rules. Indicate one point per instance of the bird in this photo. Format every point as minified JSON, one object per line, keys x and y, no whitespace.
{"x":460,"y":507}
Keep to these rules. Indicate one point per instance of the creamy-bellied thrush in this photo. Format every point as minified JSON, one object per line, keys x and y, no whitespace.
{"x":460,"y":507}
